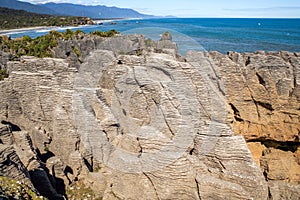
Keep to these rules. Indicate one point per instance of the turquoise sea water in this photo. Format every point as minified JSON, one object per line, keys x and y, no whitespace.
{"x":223,"y":35}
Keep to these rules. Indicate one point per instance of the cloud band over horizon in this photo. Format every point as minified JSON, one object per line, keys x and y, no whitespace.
{"x":196,"y":8}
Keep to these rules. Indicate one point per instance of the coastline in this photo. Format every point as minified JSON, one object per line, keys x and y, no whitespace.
{"x":39,"y":28}
{"x":5,"y":31}
{"x":46,"y":28}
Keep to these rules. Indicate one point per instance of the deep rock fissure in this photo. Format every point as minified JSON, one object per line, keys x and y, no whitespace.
{"x":261,"y":80}
{"x":284,"y":146}
{"x":236,"y":113}
{"x":198,"y":189}
{"x":264,"y":104}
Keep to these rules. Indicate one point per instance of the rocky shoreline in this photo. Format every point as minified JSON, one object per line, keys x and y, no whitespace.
{"x":125,"y":114}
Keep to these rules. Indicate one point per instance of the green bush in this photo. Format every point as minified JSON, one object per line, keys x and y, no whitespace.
{"x":3,"y":74}
{"x":26,"y":38}
{"x":105,"y":34}
{"x":13,"y":189}
{"x":76,"y":51}
{"x":78,"y":31}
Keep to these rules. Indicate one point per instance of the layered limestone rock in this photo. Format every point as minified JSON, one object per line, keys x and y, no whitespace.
{"x":146,"y":119}
{"x":139,"y":117}
{"x":10,"y":163}
{"x":20,"y":162}
{"x":263,"y":92}
{"x":23,"y":104}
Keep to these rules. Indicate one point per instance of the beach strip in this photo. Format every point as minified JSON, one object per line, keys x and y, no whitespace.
{"x":25,"y":29}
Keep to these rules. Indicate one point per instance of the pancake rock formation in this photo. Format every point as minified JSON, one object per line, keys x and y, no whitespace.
{"x":130,"y":118}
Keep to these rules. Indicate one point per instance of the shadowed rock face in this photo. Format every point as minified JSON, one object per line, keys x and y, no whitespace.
{"x":10,"y":163}
{"x":165,"y":126}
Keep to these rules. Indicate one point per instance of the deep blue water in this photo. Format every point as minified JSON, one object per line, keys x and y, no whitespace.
{"x":223,"y":35}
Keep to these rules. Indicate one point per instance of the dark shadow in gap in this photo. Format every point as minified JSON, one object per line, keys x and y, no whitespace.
{"x":14,"y":127}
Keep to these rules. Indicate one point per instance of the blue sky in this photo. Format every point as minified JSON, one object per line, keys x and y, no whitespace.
{"x":200,"y":8}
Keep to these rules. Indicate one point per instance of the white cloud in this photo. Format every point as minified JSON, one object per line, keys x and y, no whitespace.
{"x":93,"y":2}
{"x":44,"y":1}
{"x":264,"y":9}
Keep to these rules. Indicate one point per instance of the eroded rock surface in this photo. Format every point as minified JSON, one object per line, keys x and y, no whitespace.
{"x":154,"y":122}
{"x":10,"y":163}
{"x":4,"y":58}
{"x":20,"y":162}
{"x":263,"y":92}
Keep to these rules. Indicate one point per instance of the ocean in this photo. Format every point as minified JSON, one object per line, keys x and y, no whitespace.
{"x":219,"y":34}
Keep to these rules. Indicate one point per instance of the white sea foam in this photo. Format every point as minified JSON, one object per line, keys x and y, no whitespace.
{"x":13,"y":33}
{"x":43,"y":31}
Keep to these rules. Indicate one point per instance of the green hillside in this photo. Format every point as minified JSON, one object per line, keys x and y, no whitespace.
{"x":10,"y":19}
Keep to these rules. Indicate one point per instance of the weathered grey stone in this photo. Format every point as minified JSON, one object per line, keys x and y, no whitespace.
{"x":130,"y":44}
{"x":166,"y":42}
{"x":11,"y":166}
{"x":10,"y":163}
{"x":282,"y":190}
{"x":4,"y":58}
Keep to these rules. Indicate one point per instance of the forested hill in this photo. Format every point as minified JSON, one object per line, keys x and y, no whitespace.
{"x":10,"y":19}
{"x":94,"y":12}
{"x":20,"y":5}
{"x":69,"y":9}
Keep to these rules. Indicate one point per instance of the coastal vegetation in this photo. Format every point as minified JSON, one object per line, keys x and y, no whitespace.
{"x":105,"y":34}
{"x":13,"y":189}
{"x":12,"y":19}
{"x":3,"y":74}
{"x":42,"y":46}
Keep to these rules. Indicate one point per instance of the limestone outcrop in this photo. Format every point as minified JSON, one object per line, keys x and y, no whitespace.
{"x":4,"y":58}
{"x":263,"y":92}
{"x":10,"y":163}
{"x":129,"y":115}
{"x":20,"y":162}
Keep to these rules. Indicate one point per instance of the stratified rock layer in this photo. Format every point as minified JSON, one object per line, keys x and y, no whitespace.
{"x":263,"y":92}
{"x":154,"y":125}
{"x":10,"y":163}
